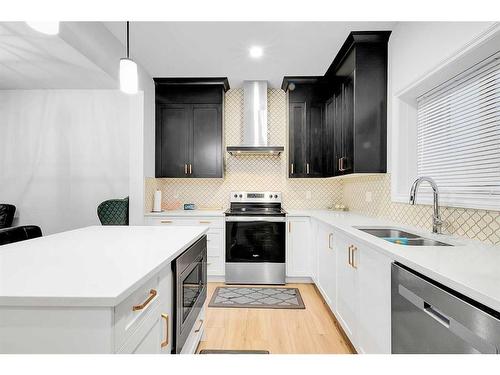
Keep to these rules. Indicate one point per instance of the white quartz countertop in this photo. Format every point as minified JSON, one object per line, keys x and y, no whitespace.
{"x":187,"y":213}
{"x":92,"y":266}
{"x":470,"y":267}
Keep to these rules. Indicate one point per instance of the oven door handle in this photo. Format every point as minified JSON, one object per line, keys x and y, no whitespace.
{"x":272,"y":219}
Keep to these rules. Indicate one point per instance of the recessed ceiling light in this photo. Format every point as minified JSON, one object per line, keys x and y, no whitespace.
{"x":256,"y":52}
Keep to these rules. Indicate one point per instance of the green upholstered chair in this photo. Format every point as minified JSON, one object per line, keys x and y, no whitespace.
{"x":113,"y":212}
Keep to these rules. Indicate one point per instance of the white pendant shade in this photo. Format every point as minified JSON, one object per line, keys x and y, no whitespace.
{"x":49,"y":28}
{"x":128,"y":76}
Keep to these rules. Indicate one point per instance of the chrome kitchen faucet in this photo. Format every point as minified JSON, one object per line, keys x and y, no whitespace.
{"x":436,"y":217}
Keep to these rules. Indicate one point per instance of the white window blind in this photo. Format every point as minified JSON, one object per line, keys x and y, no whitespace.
{"x":458,"y":134}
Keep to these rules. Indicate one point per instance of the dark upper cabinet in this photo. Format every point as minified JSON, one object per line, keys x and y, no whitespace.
{"x":359,"y":75}
{"x":189,"y":139}
{"x":297,"y":139}
{"x":343,"y":121}
{"x":306,"y":127}
{"x":315,"y":160}
{"x":206,"y":138}
{"x":172,"y":123}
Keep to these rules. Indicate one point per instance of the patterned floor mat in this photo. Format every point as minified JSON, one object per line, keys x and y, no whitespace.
{"x":257,"y":297}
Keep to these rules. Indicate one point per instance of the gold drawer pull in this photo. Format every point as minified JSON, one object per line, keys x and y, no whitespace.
{"x":349,"y":260}
{"x":165,"y":343}
{"x":152,"y":294}
{"x":199,"y":327}
{"x":166,"y":221}
{"x":205,"y":222}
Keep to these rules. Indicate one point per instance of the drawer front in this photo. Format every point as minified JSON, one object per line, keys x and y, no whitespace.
{"x":215,"y":266}
{"x":211,"y":222}
{"x":132,"y":312}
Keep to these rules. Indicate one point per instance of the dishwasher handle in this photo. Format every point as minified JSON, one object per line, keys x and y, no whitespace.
{"x":454,"y":326}
{"x":436,"y":314}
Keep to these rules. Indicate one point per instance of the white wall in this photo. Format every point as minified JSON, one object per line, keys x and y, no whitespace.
{"x":62,"y":152}
{"x":416,"y":49}
{"x":422,"y":56}
{"x":99,"y":45}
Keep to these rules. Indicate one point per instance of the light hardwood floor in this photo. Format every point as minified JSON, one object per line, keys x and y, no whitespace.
{"x":312,"y":330}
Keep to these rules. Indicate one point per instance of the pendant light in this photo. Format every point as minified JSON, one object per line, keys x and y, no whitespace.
{"x":128,"y":72}
{"x":49,"y":28}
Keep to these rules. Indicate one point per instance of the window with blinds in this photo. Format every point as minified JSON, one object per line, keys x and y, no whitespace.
{"x":458,"y":134}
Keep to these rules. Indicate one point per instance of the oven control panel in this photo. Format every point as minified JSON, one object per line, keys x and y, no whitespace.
{"x":255,"y":196}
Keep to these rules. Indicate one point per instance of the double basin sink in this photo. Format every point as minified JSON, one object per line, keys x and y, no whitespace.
{"x":402,"y":237}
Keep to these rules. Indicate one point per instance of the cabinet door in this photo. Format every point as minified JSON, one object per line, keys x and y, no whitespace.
{"x":329,"y":136}
{"x":298,"y":259}
{"x":166,"y":310}
{"x":338,"y":132}
{"x":347,"y":289}
{"x":348,"y":125}
{"x":327,"y":265}
{"x":172,"y":140}
{"x":314,"y":145}
{"x":206,"y":144}
{"x":374,"y":312}
{"x":297,"y":139}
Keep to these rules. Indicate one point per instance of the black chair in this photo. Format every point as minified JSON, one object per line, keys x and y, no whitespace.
{"x":7,"y":212}
{"x":16,"y":234}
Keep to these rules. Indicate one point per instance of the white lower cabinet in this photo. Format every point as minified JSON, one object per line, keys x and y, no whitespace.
{"x":353,"y":278}
{"x":298,"y":247}
{"x":374,"y":310}
{"x":215,"y":237}
{"x":363,"y":295}
{"x":326,"y":279}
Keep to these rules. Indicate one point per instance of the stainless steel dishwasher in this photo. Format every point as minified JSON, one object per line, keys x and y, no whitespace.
{"x":428,"y":317}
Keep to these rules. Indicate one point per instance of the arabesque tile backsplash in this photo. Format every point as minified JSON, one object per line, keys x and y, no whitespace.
{"x":249,"y":172}
{"x":482,"y":225}
{"x":270,"y":173}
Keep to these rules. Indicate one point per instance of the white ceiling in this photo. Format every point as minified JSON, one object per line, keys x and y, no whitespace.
{"x":31,"y":60}
{"x":220,"y":49}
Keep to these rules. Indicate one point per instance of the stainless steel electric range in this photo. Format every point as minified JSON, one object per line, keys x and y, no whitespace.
{"x":255,"y":238}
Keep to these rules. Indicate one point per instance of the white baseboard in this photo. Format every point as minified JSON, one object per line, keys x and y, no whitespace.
{"x":216,"y":278}
{"x":294,"y":280}
{"x":299,"y":280}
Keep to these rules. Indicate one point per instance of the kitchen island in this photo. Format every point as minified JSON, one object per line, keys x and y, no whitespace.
{"x":91,"y":290}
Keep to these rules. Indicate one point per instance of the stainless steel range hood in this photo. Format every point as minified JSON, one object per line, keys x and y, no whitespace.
{"x":255,"y":122}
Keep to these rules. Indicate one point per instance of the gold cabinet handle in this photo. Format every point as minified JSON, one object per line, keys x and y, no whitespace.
{"x":330,"y":236}
{"x":354,"y":248}
{"x":289,"y":227}
{"x":165,"y":342}
{"x":205,"y":222}
{"x":185,"y":169}
{"x":166,"y":221}
{"x":190,"y":169}
{"x":349,"y":256}
{"x":307,"y":168}
{"x":291,"y":168}
{"x":199,"y":327}
{"x":152,"y":294}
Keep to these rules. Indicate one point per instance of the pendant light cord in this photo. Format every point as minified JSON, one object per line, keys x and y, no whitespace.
{"x":128,"y":56}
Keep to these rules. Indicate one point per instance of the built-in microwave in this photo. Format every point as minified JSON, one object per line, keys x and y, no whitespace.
{"x":190,"y":290}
